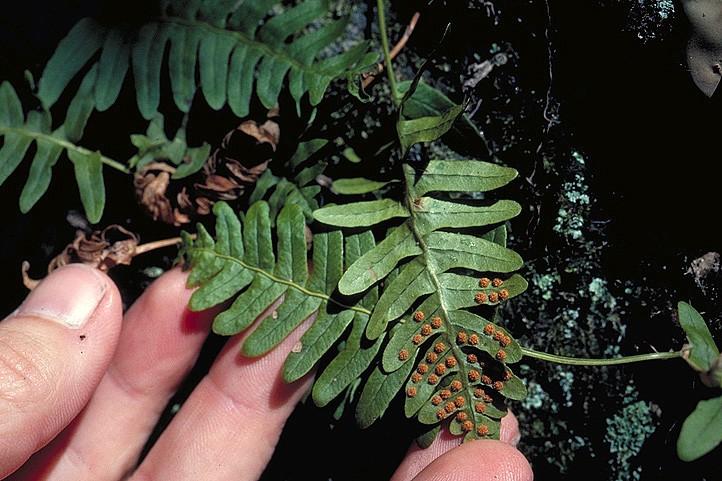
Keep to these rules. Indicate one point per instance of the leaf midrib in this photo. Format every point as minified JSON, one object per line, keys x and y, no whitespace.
{"x":67,"y":145}
{"x":245,"y":39}
{"x":430,"y":267}
{"x":308,"y":292}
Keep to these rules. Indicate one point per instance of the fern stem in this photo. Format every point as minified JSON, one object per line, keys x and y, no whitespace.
{"x":580,"y":361}
{"x":159,"y":244}
{"x":65,"y":144}
{"x":387,"y":54}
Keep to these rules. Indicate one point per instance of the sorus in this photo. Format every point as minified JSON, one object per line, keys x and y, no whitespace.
{"x":505,"y":341}
{"x":479,"y":407}
{"x":493,"y":297}
{"x":445,"y":394}
{"x":419,"y":316}
{"x":489,"y":330}
{"x":461,"y":416}
{"x":485,"y":379}
{"x":456,"y":385}
{"x":450,"y":361}
{"x":411,"y":391}
{"x":433,"y":379}
{"x":461,"y":337}
{"x":482,"y":430}
{"x":498,"y":385}
{"x":431,"y":357}
{"x":467,"y":426}
{"x":507,"y":375}
{"x":417,"y":339}
{"x":497,"y":282}
{"x":422,"y":369}
{"x":473,"y":339}
{"x":484,"y":282}
{"x":459,"y":401}
{"x":416,"y":377}
{"x":403,"y":355}
{"x":450,"y":407}
{"x":425,"y":329}
{"x":479,"y":392}
{"x":498,"y":336}
{"x":472,"y":358}
{"x":503,"y":294}
{"x":501,"y":355}
{"x":480,"y":298}
{"x":440,"y":369}
{"x":436,"y":400}
{"x":440,"y":414}
{"x":439,"y":347}
{"x":436,"y":322}
{"x":474,"y":375}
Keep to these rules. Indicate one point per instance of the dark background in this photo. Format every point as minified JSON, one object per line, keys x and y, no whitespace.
{"x":618,"y":96}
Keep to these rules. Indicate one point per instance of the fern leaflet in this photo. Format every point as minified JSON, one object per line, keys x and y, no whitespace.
{"x":241,"y":263}
{"x":20,"y":132}
{"x":226,"y":43}
{"x":435,"y":266}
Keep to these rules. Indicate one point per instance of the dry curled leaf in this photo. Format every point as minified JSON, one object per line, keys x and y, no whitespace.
{"x":227,"y":174}
{"x":101,"y":249}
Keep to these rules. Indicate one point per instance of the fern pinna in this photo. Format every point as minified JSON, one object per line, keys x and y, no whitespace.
{"x":438,"y":273}
{"x":227,"y":41}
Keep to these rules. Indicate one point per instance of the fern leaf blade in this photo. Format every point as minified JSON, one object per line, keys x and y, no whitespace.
{"x":45,"y":158}
{"x":315,"y":342}
{"x":379,"y":390}
{"x":214,"y":57}
{"x":248,"y":306}
{"x":147,"y":56}
{"x":112,"y":69}
{"x":72,"y":53}
{"x":240,"y":80}
{"x":463,"y":176}
{"x":11,"y":110}
{"x":81,"y":106}
{"x":436,"y":214}
{"x":361,"y":214}
{"x":12,"y":153}
{"x":380,"y":261}
{"x":182,"y":64}
{"x":89,"y":177}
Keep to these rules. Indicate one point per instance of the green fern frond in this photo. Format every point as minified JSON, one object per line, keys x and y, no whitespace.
{"x":218,"y":44}
{"x":300,"y":190}
{"x":242,"y":264}
{"x":20,"y":132}
{"x":433,"y":267}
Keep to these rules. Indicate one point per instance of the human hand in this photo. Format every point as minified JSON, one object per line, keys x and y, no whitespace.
{"x":80,"y":394}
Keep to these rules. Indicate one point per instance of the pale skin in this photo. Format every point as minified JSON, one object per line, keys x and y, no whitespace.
{"x":82,"y":386}
{"x":704,"y":46}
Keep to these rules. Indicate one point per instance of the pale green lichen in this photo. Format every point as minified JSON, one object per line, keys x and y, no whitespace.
{"x":627,"y":431}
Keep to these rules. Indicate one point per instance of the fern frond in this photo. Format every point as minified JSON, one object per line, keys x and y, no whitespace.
{"x":217,"y":44}
{"x":20,"y":132}
{"x":433,"y":267}
{"x":242,"y":264}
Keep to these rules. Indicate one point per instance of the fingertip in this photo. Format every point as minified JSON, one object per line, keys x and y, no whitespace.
{"x":55,"y":349}
{"x":482,"y":460}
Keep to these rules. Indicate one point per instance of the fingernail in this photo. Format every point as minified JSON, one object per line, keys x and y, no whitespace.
{"x":68,"y":296}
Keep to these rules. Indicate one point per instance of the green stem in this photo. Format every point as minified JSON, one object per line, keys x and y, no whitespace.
{"x":387,"y":53}
{"x":65,"y":144}
{"x":580,"y":361}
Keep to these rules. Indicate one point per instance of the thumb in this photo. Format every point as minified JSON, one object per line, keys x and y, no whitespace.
{"x":54,"y":349}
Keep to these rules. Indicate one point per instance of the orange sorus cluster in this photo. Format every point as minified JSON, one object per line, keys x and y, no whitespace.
{"x":494,"y":296}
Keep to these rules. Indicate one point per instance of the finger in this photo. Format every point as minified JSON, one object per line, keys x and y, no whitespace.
{"x":483,"y":460}
{"x":418,"y":458}
{"x":231,"y":423}
{"x":53,"y":352}
{"x":159,"y":344}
